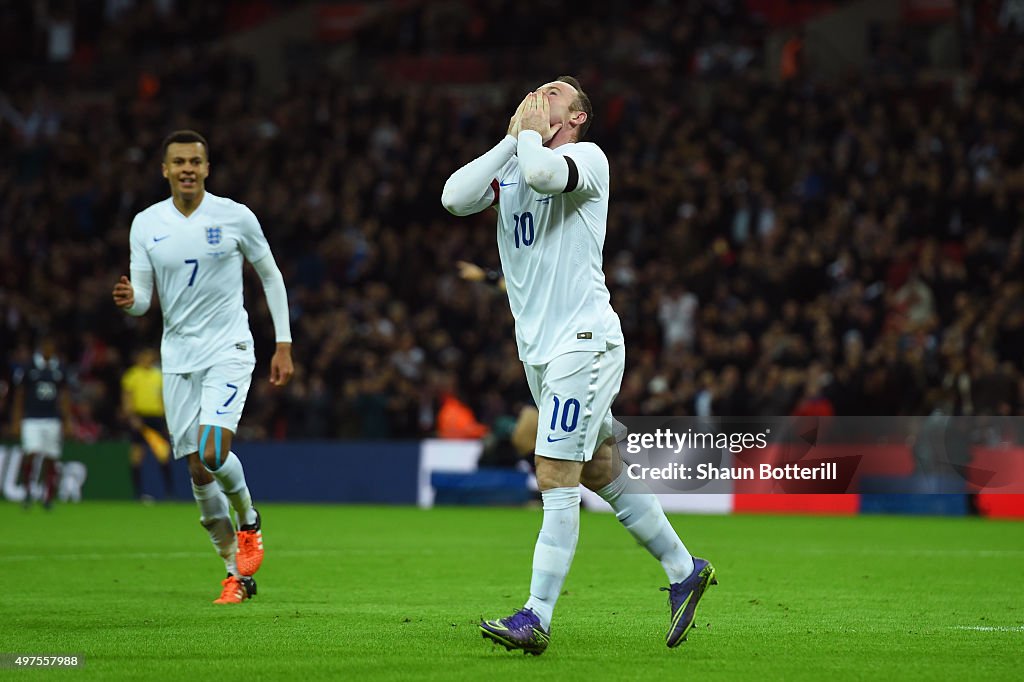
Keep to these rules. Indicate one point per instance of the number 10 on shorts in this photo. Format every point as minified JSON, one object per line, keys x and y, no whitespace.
{"x":569,"y":413}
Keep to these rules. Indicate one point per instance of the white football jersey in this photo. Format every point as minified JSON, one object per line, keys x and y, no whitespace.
{"x":551,"y":249}
{"x":197,"y":266}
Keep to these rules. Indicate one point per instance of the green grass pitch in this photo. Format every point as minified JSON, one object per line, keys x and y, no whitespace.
{"x":395,"y":593}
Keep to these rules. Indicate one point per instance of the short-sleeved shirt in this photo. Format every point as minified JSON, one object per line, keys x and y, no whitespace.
{"x":145,"y":385}
{"x":42,"y":381}
{"x":552,"y":249}
{"x":197,"y":265}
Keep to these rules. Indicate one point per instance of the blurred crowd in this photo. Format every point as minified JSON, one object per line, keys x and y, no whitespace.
{"x":774,"y":247}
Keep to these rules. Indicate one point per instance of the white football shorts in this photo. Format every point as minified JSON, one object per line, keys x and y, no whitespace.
{"x":41,"y":436}
{"x":214,"y":396}
{"x":574,"y":395}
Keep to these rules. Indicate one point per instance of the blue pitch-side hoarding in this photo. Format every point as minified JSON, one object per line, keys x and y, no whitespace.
{"x":379,"y":472}
{"x":371,"y":472}
{"x":376,"y":472}
{"x":432,"y":472}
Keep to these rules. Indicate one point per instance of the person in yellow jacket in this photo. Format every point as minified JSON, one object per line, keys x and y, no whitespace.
{"x":143,"y":406}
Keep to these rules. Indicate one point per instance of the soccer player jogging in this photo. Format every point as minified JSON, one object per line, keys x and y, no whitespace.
{"x":551,"y":194}
{"x":192,"y":244}
{"x":42,"y":411}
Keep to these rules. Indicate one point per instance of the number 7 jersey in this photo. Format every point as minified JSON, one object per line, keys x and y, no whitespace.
{"x":197,"y":267}
{"x":551,"y":249}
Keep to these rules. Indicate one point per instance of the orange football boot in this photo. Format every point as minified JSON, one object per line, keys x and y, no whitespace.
{"x":250,"y":547}
{"x":236,"y":589}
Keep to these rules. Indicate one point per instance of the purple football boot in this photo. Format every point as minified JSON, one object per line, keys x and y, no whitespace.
{"x":522,"y":630}
{"x":683,"y":598}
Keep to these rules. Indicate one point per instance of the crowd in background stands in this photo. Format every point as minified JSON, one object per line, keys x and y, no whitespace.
{"x":773,"y":248}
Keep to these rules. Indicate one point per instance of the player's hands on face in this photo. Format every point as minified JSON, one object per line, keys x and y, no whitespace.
{"x":281,"y":367}
{"x":537,"y":116}
{"x":513,"y":123}
{"x":470,"y":272}
{"x":124,"y":293}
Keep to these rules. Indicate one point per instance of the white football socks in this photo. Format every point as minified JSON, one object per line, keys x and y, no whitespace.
{"x":553,"y":554}
{"x":232,"y":480}
{"x":639,"y":511}
{"x":216,"y":519}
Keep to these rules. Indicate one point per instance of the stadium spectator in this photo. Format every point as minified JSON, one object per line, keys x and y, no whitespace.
{"x":455,"y":419}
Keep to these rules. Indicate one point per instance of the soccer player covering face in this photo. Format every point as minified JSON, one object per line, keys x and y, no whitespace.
{"x":192,"y":245}
{"x":551,"y":190}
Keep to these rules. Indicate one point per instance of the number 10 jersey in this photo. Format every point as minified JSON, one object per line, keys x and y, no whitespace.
{"x":551,"y":249}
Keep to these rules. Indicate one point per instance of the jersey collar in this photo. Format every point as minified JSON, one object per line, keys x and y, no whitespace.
{"x":199,"y":209}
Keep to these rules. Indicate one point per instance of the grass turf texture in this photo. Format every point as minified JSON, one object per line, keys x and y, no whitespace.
{"x":395,"y":593}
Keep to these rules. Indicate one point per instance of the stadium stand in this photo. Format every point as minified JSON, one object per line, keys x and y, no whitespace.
{"x":776,"y":246}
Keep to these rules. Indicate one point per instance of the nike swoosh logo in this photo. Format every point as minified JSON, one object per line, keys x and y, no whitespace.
{"x":224,"y":411}
{"x":160,"y":239}
{"x":555,"y":440}
{"x":544,"y":200}
{"x":506,"y":184}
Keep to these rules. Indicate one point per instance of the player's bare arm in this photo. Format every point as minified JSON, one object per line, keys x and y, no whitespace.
{"x":124,"y":293}
{"x":134,"y":295}
{"x":281,"y":367}
{"x":471,"y":272}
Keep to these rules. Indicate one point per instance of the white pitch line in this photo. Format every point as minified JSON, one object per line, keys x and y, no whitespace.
{"x":990,"y":628}
{"x":96,"y":556}
{"x":110,"y":556}
{"x":909,"y":551}
{"x":860,"y":551}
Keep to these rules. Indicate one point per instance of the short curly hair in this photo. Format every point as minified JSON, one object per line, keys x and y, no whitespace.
{"x":186,"y":137}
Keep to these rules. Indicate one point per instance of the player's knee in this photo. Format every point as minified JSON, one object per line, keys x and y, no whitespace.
{"x":555,"y":473}
{"x":201,"y":476}
{"x":597,"y":477}
{"x":212,"y":460}
{"x":548,"y":482}
{"x":215,"y":445}
{"x":603,"y":468}
{"x":197,"y":470}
